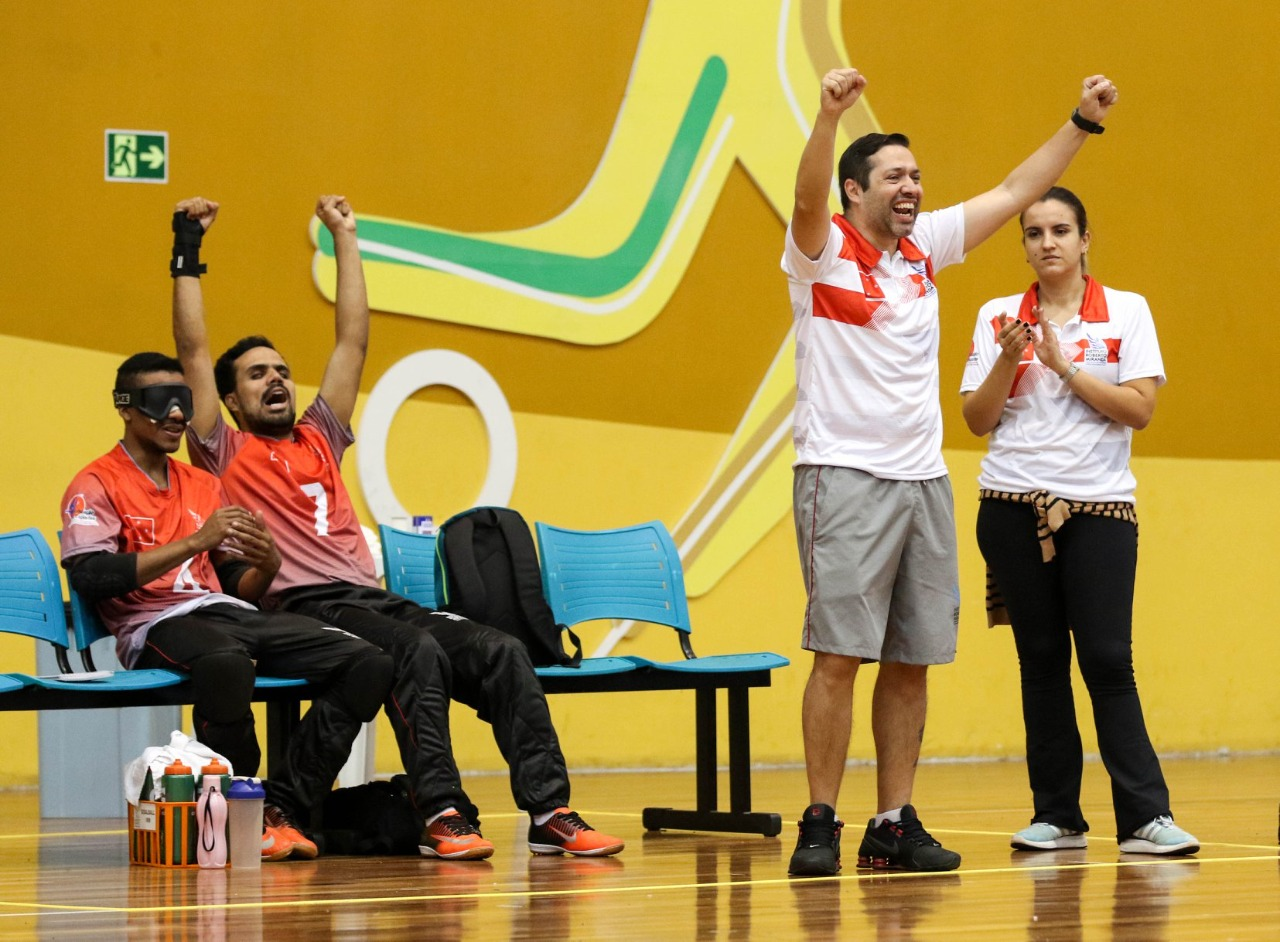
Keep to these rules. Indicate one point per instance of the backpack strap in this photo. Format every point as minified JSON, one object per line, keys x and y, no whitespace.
{"x":575,"y":659}
{"x":456,"y":569}
{"x":528,"y":576}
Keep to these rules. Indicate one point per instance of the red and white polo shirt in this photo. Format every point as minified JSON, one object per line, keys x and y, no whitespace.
{"x":1048,"y":437}
{"x":866,"y":326}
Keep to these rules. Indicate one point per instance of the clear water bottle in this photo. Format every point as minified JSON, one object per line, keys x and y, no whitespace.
{"x":245,"y":802}
{"x":211,"y":825}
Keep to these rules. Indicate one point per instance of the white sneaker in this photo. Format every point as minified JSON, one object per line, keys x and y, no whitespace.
{"x":1042,"y":836}
{"x":1160,"y":836}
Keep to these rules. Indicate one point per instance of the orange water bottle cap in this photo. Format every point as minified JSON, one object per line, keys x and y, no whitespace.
{"x":214,"y":768}
{"x":177,"y":768}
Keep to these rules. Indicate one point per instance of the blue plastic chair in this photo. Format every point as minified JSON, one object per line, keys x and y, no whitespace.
{"x":31,"y":604}
{"x":409,"y":564}
{"x":629,"y":573}
{"x":31,"y":597}
{"x":635,"y":573}
{"x":87,"y":628}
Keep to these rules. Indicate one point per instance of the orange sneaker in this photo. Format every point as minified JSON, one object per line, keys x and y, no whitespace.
{"x":452,"y":837}
{"x":287,"y":833}
{"x":566,"y":833}
{"x":274,"y":845}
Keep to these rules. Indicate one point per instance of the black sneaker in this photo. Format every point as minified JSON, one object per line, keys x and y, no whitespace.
{"x":817,"y":851}
{"x":903,"y":845}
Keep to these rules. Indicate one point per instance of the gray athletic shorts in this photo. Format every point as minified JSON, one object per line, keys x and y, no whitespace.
{"x":879,"y":563}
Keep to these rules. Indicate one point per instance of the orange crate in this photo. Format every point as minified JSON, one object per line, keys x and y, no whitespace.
{"x":163,"y":834}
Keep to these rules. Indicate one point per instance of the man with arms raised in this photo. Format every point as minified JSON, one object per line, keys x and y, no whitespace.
{"x":149,"y":540}
{"x":291,"y":472}
{"x":872,"y":500}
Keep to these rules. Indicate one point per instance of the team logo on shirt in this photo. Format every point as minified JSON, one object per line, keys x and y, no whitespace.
{"x":140,"y":531}
{"x":1106,"y":350}
{"x":199,"y":521}
{"x":79,"y":513}
{"x":921,"y":285}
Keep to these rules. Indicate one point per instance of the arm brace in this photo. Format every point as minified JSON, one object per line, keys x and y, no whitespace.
{"x":230,"y":571}
{"x":187,"y":236}
{"x":102,"y":575}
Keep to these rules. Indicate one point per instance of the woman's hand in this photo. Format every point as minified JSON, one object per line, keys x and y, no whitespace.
{"x":1047,"y":349}
{"x":1013,"y":337}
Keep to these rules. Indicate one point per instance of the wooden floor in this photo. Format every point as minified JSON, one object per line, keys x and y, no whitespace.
{"x":71,"y":879}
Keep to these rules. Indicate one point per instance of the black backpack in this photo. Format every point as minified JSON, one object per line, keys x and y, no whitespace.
{"x":487,"y":571}
{"x":374,"y":818}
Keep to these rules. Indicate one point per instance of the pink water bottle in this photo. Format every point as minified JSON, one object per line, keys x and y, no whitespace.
{"x":211,"y":825}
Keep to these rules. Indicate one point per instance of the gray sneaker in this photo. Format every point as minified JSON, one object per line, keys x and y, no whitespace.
{"x":1044,"y":836}
{"x":1160,"y":836}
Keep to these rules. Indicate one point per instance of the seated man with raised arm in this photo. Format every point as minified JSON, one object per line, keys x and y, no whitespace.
{"x":289,"y":468}
{"x":172,"y":569}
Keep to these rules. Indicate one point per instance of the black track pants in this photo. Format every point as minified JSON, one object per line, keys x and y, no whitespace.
{"x":218,"y":646}
{"x":440,"y":657}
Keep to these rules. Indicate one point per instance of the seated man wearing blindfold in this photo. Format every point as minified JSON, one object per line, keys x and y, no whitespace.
{"x":172,"y":569}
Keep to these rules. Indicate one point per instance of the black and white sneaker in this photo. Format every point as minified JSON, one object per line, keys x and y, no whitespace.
{"x":817,"y":852}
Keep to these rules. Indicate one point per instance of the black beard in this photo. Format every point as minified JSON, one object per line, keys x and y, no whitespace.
{"x":273,"y":426}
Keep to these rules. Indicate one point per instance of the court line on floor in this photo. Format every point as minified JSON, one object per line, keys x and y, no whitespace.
{"x":29,"y":908}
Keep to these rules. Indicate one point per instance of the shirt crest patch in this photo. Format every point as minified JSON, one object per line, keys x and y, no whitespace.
{"x":79,"y":513}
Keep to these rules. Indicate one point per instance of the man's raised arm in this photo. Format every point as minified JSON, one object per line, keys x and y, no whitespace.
{"x":341,"y":382}
{"x":191,"y":219}
{"x":811,"y":215}
{"x":986,"y":213}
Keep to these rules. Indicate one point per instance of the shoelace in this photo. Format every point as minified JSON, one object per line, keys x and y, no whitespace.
{"x":819,"y":833}
{"x":914,"y":831}
{"x":571,"y":820}
{"x":456,"y":825}
{"x":273,"y":817}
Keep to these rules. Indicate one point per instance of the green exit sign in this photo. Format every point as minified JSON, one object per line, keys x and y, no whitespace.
{"x":137,"y":156}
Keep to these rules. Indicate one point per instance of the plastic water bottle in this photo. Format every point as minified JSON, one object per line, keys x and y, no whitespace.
{"x":178,"y":782}
{"x":211,"y":825}
{"x":244,"y":811}
{"x":224,"y":775}
{"x":179,"y":786}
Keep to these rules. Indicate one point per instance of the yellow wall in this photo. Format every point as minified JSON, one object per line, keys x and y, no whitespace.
{"x":493,"y":117}
{"x":1204,"y":634}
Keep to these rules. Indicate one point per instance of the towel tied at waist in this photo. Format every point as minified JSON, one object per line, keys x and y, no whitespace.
{"x":1051,"y":513}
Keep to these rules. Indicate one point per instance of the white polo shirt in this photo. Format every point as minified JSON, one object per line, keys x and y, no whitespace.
{"x":866,"y":326}
{"x":1049,"y":438}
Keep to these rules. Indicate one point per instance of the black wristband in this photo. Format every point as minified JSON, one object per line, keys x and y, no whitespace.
{"x":1084,"y":124}
{"x":187,"y":235}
